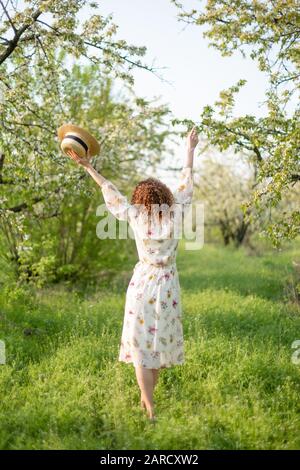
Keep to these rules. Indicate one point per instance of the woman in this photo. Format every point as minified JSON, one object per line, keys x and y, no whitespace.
{"x":152,"y":336}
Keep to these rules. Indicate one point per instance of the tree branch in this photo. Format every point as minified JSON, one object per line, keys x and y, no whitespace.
{"x":97,"y":46}
{"x":14,"y":42}
{"x":8,"y":16}
{"x":1,"y":166}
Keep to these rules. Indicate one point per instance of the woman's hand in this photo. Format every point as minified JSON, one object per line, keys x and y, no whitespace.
{"x":81,"y":161}
{"x":192,"y":139}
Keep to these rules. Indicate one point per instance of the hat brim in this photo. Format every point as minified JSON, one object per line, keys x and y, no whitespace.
{"x":91,"y":142}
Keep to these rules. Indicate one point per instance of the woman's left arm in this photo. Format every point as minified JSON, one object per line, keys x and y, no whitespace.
{"x":184,"y":191}
{"x":192,"y":141}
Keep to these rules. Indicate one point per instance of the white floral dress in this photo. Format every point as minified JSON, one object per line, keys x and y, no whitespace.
{"x":152,"y":334}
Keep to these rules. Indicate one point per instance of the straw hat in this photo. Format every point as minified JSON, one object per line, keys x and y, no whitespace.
{"x":78,"y":139}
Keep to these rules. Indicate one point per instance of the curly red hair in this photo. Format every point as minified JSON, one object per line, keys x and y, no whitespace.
{"x":152,"y":191}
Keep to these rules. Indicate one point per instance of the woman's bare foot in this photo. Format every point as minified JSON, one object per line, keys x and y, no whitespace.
{"x":143,"y":404}
{"x":150,"y":410}
{"x":152,"y":417}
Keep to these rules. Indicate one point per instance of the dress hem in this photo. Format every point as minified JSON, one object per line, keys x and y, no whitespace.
{"x":164,"y":366}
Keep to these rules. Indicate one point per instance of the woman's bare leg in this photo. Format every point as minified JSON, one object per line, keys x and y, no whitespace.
{"x":155,"y":373}
{"x":145,"y":380}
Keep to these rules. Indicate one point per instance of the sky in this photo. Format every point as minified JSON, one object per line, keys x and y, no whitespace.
{"x":193,"y":73}
{"x":196,"y":72}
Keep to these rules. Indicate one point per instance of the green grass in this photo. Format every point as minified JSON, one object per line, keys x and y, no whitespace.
{"x":63,"y":388}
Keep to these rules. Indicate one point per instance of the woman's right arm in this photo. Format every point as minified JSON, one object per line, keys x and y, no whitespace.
{"x":88,"y":167}
{"x":115,"y":201}
{"x":95,"y":175}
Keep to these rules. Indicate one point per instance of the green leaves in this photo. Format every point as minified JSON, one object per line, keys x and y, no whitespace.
{"x":61,"y":69}
{"x":270,"y":33}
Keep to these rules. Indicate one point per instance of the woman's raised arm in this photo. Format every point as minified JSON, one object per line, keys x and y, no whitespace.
{"x":192,"y":141}
{"x":115,"y":201}
{"x":184,"y":191}
{"x":89,"y":168}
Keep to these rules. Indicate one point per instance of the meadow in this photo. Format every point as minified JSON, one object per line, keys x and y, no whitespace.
{"x":63,"y":388}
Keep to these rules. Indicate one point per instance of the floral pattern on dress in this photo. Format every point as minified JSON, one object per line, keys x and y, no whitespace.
{"x":152,"y":334}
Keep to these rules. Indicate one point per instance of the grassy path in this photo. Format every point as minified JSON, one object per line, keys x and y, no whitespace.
{"x":63,"y":388}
